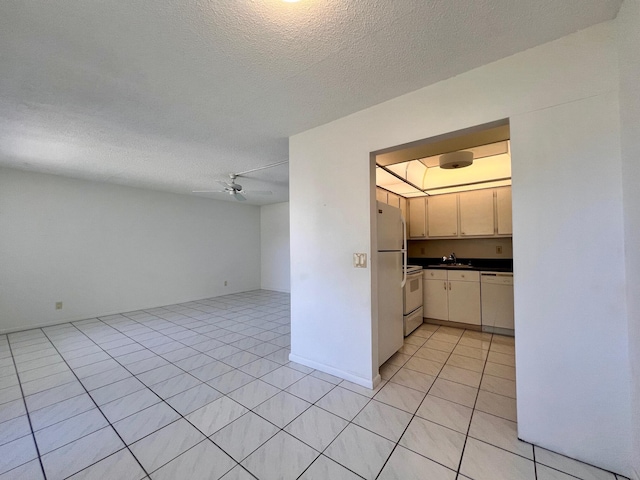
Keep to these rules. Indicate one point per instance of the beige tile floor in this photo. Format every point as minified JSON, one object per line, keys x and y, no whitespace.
{"x":205,"y":390}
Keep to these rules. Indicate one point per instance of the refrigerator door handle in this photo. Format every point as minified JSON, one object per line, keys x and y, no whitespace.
{"x":404,"y":252}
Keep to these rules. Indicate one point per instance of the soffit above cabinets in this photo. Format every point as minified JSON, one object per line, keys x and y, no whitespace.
{"x":467,"y":139}
{"x":414,"y":178}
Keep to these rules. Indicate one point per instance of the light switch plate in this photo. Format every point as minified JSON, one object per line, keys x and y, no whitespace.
{"x":360,"y":260}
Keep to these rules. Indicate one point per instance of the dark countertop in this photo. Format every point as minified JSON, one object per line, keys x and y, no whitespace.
{"x":477,"y":264}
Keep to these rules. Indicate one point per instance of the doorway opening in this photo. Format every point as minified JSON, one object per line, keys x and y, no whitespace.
{"x":454,"y":191}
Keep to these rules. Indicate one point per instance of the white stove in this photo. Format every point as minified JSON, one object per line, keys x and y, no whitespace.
{"x":412,"y":299}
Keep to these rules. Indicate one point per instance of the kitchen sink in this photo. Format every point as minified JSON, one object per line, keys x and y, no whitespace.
{"x":455,"y":265}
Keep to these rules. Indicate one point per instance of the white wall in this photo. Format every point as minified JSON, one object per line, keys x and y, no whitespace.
{"x":274,"y":247}
{"x":629,"y":61}
{"x":571,"y":330}
{"x":544,"y":91}
{"x":102,"y":248}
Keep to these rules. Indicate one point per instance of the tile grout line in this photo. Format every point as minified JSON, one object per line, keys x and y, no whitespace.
{"x":24,"y":401}
{"x":473,"y":411}
{"x":208,"y":437}
{"x":147,"y":348}
{"x":349,"y":422}
{"x":535,"y":464}
{"x":163,"y":400}
{"x":435,"y":377}
{"x":181,"y":417}
{"x":102,"y":413}
{"x":184,"y":318}
{"x":282,"y":429}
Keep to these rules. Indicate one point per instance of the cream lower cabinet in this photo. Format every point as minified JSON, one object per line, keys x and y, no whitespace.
{"x":434,"y":294}
{"x":452,"y":295}
{"x":464,"y":297}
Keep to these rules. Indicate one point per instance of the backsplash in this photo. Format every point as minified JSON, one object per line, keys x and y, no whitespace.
{"x":463,"y":248}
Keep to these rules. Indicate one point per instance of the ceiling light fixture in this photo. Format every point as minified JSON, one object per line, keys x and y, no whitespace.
{"x":453,"y":160}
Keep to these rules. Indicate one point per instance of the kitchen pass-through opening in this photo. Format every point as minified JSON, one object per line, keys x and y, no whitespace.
{"x":453,"y":192}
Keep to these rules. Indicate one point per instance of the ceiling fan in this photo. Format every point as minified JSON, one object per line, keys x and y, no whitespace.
{"x":236,"y":190}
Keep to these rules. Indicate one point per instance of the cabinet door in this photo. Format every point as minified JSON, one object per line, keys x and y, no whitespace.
{"x":464,"y":302}
{"x":393,"y":199}
{"x":503,"y":211}
{"x":476,"y":213}
{"x":381,"y":195}
{"x":435,"y":299}
{"x":417,"y":219}
{"x":403,"y":207}
{"x":442,"y":213}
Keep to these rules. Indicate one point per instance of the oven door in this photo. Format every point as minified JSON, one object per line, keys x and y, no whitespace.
{"x":412,"y":292}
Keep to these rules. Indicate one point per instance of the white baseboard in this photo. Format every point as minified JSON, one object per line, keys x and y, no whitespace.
{"x":276,"y":289}
{"x":336,"y":372}
{"x":129,"y":308}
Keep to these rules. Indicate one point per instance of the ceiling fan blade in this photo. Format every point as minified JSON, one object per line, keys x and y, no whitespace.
{"x":224,"y":184}
{"x":258,"y":192}
{"x":240,"y":197}
{"x":208,"y":191}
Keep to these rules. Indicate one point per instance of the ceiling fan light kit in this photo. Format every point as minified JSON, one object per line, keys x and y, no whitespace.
{"x":236,"y":190}
{"x":459,"y":159}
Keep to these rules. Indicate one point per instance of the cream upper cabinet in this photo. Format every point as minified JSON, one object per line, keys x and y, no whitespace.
{"x":381,"y":195}
{"x":442,"y":215}
{"x":393,"y":199}
{"x":476,"y":213}
{"x":403,"y":207}
{"x":503,"y":211}
{"x":417,"y":217}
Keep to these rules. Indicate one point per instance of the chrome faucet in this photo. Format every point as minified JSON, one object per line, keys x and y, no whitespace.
{"x":453,"y":257}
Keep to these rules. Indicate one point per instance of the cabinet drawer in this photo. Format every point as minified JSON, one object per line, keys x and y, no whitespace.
{"x":432,"y":274}
{"x":465,"y":276}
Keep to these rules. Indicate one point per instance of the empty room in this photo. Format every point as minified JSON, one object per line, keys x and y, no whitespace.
{"x":313,"y":239}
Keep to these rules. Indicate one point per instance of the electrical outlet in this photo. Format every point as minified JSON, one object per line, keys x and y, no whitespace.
{"x":421,"y":250}
{"x":360,"y":260}
{"x":225,"y":283}
{"x":58,"y":305}
{"x":499,"y":249}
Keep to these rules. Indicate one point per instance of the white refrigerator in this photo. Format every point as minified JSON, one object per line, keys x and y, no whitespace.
{"x":392,"y":251}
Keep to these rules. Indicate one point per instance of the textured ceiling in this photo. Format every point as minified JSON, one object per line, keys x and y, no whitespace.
{"x":175,"y":94}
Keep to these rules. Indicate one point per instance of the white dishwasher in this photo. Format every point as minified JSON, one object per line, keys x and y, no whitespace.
{"x":496,"y":295}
